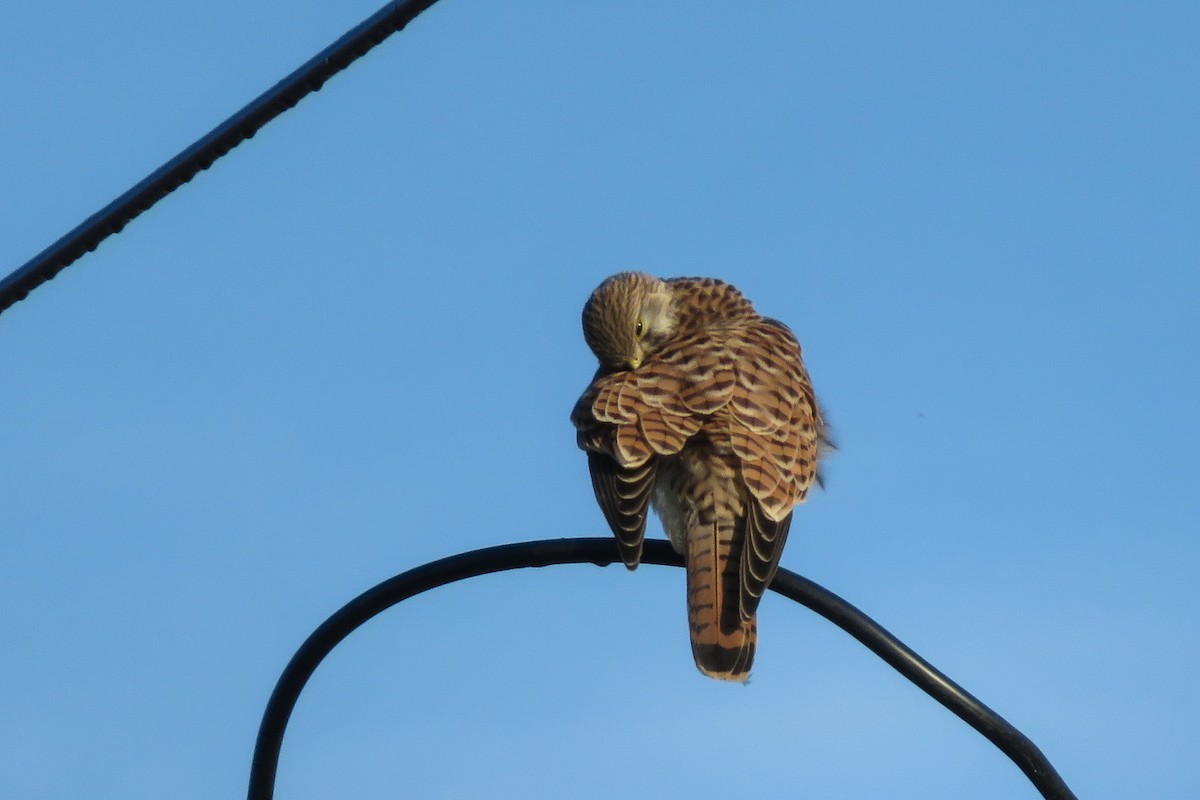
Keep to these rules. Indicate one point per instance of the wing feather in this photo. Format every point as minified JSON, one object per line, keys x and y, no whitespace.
{"x":760,"y":555}
{"x":624,"y":497}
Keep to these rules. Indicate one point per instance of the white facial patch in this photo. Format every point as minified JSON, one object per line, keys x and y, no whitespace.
{"x":657,"y":313}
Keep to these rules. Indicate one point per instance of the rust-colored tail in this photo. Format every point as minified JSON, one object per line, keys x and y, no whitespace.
{"x":722,"y":641}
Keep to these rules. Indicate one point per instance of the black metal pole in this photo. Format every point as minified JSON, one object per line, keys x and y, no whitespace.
{"x":1014,"y":744}
{"x":200,"y":155}
{"x":602,"y":552}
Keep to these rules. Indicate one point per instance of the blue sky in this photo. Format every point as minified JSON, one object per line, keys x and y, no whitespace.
{"x":351,"y":348}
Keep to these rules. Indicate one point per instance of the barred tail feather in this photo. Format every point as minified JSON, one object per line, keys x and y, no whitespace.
{"x":722,"y":641}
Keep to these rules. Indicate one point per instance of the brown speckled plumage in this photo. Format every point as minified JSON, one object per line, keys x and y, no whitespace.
{"x":702,"y":408}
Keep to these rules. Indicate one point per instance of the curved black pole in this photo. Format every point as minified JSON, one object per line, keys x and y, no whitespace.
{"x":602,"y":552}
{"x":200,"y":155}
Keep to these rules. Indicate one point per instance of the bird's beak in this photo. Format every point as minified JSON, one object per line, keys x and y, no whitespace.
{"x":636,"y":361}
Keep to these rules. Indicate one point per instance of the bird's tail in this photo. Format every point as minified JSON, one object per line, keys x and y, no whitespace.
{"x":722,"y":641}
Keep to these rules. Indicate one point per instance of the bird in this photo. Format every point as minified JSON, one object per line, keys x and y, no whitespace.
{"x":702,"y":409}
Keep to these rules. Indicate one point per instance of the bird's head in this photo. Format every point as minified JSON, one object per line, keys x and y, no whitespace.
{"x":627,"y":318}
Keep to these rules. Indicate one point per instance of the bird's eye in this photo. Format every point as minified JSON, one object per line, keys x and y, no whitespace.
{"x":640,"y":330}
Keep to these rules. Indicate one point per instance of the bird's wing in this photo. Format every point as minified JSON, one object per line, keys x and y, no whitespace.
{"x":627,"y":420}
{"x":775,"y":432}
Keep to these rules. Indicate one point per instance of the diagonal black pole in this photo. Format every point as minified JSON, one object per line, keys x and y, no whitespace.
{"x":214,"y":144}
{"x":602,"y":552}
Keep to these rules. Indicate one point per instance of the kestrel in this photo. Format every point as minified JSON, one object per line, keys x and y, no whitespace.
{"x":702,"y":408}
